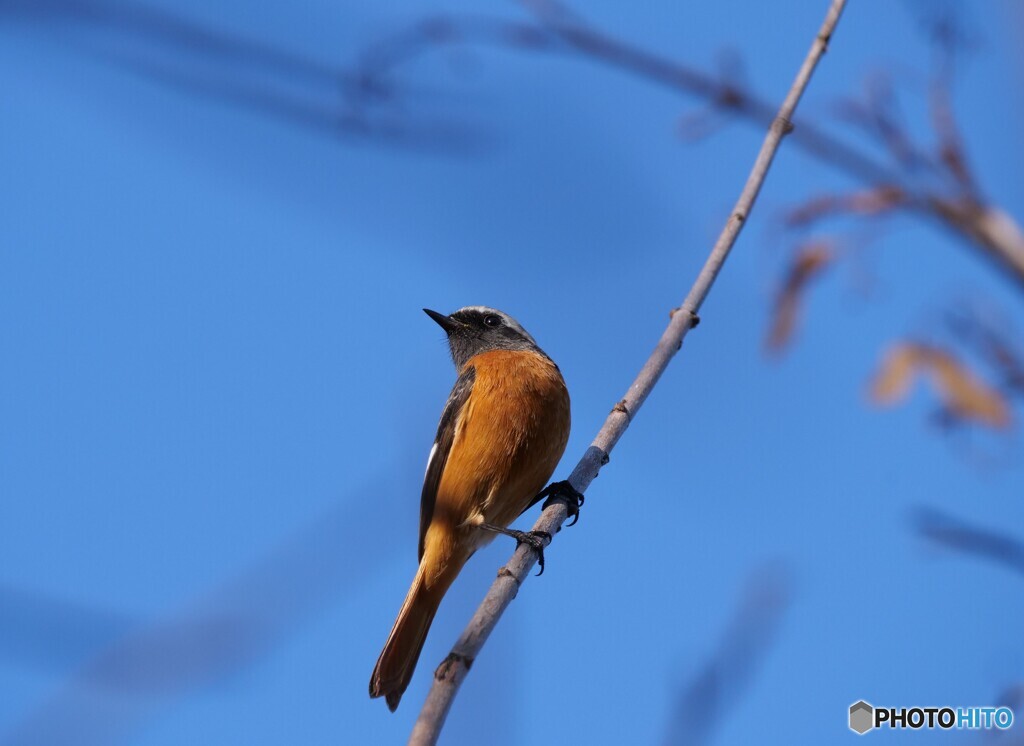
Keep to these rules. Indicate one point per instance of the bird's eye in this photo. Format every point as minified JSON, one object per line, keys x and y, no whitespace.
{"x":492,"y":320}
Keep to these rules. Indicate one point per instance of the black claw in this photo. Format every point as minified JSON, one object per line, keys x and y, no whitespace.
{"x":564,"y":493}
{"x":537,"y":540}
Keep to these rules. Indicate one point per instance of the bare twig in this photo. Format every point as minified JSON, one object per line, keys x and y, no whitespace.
{"x":453,"y":670}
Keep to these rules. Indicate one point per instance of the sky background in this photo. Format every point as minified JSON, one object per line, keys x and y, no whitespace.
{"x":218,"y":391}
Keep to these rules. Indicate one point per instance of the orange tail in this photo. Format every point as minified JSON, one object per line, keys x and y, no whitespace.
{"x":398,"y":659}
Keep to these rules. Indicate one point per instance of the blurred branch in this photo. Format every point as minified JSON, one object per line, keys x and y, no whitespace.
{"x":954,"y":533}
{"x":982,"y":226}
{"x":214,"y":637}
{"x":937,"y":185}
{"x":51,"y":633}
{"x":450,"y":674}
{"x":559,"y":31}
{"x":196,"y":59}
{"x":988,"y":228}
{"x":869,"y":202}
{"x":722,"y":680}
{"x":996,"y":343}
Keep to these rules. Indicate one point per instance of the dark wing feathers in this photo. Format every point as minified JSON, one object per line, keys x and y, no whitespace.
{"x":442,"y":447}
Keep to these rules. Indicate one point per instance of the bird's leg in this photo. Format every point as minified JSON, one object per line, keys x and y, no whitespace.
{"x":536,"y":540}
{"x":565,"y":493}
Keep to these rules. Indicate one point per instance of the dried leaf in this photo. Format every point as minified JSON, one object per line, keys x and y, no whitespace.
{"x":965,"y":397}
{"x":968,"y":396}
{"x":808,"y":262}
{"x":892,"y":382}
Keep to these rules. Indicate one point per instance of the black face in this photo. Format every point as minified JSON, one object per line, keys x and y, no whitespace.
{"x":477,"y":329}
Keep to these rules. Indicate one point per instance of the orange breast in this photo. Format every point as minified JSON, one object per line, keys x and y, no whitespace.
{"x":508,"y":441}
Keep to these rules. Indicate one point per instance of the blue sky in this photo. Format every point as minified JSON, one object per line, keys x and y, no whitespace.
{"x":219,"y":391}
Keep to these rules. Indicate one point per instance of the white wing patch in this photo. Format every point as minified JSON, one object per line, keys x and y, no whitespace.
{"x":430,"y":460}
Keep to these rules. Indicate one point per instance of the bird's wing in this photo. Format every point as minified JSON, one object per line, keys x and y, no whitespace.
{"x":442,"y":447}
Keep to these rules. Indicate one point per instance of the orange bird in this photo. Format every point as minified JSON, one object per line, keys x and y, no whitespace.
{"x":501,"y":436}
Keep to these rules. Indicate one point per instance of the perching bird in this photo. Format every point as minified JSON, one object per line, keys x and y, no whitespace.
{"x":501,"y":435}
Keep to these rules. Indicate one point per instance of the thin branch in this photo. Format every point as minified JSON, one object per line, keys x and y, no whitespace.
{"x":453,"y":670}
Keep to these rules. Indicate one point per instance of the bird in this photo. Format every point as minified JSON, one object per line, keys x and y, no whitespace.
{"x":502,"y":432}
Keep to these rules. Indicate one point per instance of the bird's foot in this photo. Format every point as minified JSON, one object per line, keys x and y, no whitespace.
{"x":565,"y":493}
{"x":536,"y":540}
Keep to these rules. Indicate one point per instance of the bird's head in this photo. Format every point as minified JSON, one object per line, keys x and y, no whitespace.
{"x":475,"y":329}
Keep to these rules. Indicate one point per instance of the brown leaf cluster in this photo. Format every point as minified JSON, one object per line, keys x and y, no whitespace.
{"x":965,"y":397}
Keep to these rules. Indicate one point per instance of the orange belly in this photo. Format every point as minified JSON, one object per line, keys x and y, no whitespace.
{"x":508,"y":441}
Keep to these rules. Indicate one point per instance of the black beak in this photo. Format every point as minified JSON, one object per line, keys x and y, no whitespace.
{"x":445,"y":322}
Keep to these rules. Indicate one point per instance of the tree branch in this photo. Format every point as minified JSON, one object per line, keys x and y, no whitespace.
{"x":984,"y":226}
{"x":988,"y":228}
{"x":979,"y":224}
{"x":452,"y":671}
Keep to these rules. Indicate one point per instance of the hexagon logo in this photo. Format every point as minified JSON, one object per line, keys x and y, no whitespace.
{"x":862,"y":717}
